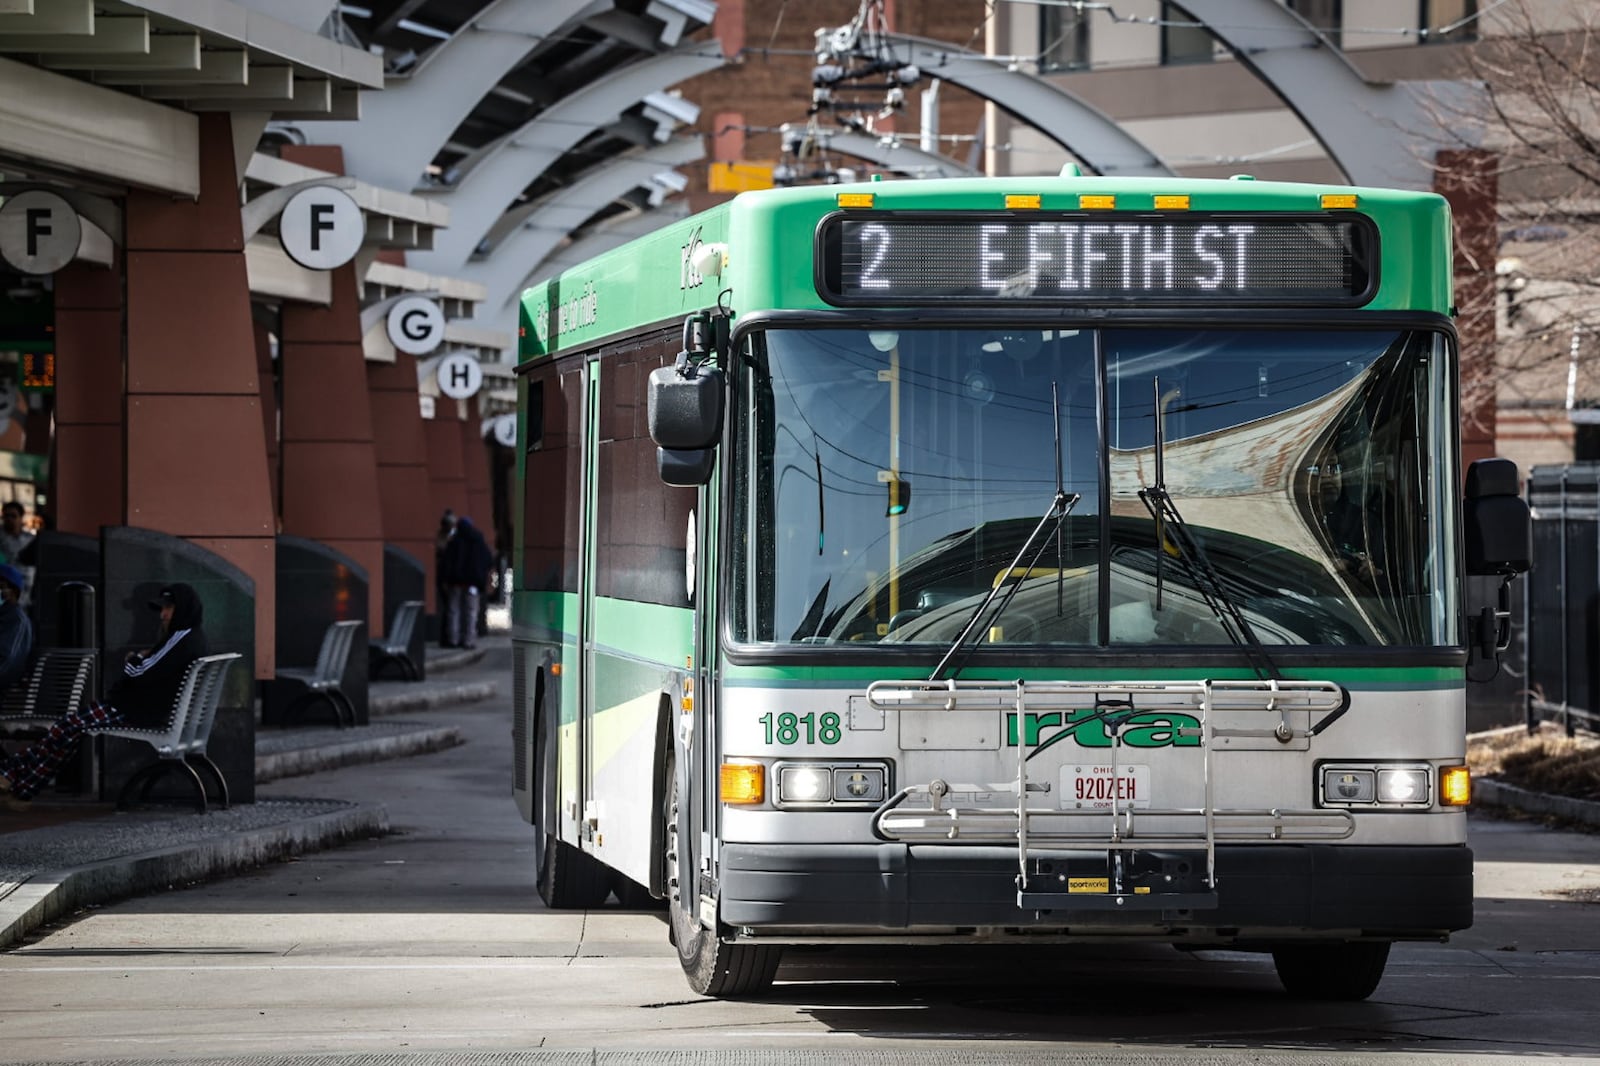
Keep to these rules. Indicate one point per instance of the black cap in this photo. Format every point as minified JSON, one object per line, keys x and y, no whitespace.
{"x":164,"y":598}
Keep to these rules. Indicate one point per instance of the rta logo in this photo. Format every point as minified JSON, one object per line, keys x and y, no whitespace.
{"x":1089,"y":727}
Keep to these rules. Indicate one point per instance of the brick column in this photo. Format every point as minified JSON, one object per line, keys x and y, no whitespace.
{"x":196,"y":451}
{"x":404,"y":483}
{"x":86,"y":490}
{"x":1470,"y":181}
{"x":329,"y":461}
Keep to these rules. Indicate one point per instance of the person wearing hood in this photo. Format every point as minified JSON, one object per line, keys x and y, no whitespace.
{"x":141,"y":698}
{"x":467,"y":560}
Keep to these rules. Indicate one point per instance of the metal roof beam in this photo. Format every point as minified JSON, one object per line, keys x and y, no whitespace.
{"x":1378,"y":134}
{"x":403,"y":128}
{"x":1085,"y":131}
{"x":537,"y":228}
{"x":519,"y":158}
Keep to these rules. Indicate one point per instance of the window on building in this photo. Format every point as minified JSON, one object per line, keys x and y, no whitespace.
{"x":1063,"y":38}
{"x":1439,"y":15}
{"x":1325,"y":15}
{"x":1181,"y":40}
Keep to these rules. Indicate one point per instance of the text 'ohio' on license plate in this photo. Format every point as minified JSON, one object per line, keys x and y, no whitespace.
{"x":1086,"y":787}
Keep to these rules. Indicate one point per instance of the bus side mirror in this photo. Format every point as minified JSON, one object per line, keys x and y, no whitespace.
{"x":685,"y":467}
{"x":685,"y":417}
{"x":1499,"y":543}
{"x":685,"y":405}
{"x":1499,"y":539}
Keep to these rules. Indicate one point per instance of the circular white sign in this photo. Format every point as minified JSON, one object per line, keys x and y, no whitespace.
{"x":321,"y":228}
{"x":459,"y":376}
{"x":505,"y":431}
{"x":39,"y":232}
{"x":416,"y":325}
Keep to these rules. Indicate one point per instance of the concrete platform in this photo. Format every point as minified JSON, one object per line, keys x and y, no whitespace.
{"x":68,"y":852}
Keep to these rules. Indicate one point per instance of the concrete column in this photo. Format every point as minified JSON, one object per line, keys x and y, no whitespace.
{"x":1469,"y":180}
{"x":196,"y":452}
{"x":405,"y":486}
{"x":86,"y":490}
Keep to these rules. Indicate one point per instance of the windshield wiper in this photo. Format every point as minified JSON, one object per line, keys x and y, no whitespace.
{"x":1061,"y":505}
{"x":1207,"y":582}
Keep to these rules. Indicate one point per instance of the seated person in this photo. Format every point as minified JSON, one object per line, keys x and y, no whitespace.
{"x":16,"y":632}
{"x":142,"y":698}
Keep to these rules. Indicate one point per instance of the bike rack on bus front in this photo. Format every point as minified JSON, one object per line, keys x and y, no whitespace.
{"x":1121,"y":829}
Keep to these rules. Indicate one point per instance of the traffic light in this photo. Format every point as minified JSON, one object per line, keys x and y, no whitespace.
{"x":899,"y":497}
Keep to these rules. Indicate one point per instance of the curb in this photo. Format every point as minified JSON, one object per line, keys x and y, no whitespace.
{"x":432,"y":699}
{"x":1499,"y":794}
{"x":297,"y":761}
{"x":445,"y":661}
{"x":47,"y":896}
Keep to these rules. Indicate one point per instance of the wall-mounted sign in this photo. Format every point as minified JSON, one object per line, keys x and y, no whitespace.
{"x":39,"y":232}
{"x":459,"y":376}
{"x":416,"y":325}
{"x":427,"y":405}
{"x":321,"y":228}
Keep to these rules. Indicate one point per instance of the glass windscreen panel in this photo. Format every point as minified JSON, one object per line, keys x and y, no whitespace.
{"x":887,"y":482}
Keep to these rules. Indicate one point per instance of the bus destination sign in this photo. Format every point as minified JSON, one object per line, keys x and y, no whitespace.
{"x":1228,"y":260}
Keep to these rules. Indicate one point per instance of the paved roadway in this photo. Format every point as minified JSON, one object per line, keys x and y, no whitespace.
{"x":432,"y":940}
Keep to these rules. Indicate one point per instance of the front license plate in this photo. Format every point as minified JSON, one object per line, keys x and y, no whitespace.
{"x":1085,"y":787}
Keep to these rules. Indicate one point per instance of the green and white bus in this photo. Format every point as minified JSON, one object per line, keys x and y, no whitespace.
{"x":1008,"y":560}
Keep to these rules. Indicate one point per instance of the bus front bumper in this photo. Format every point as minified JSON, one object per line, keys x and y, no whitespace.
{"x":1398,"y":892}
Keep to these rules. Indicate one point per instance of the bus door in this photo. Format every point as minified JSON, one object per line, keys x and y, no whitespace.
{"x":587,"y":812}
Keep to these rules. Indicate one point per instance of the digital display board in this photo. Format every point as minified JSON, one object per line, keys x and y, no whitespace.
{"x":1193,"y":260}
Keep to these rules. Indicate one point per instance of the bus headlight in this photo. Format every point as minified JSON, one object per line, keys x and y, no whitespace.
{"x":1375,"y":786}
{"x":1402,"y":786}
{"x":831,"y":785}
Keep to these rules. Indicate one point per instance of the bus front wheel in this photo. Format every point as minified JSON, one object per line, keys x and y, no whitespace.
{"x":712,"y":966}
{"x":1331,"y":971}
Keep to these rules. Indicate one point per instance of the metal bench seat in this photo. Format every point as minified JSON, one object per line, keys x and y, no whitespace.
{"x":396,"y":644}
{"x":180,"y":745}
{"x":60,"y":680}
{"x":324,"y":682}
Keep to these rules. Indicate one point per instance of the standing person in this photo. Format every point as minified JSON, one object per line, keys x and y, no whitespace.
{"x":16,"y":631}
{"x":142,"y":698}
{"x":467,"y":560}
{"x":441,"y":587}
{"x":14,"y":539}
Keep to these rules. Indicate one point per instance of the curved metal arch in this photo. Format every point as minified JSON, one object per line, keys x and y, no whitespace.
{"x":1085,"y":131}
{"x":1378,"y":134}
{"x":547,"y":223}
{"x":893,"y":154}
{"x":404,"y":127}
{"x":520,"y":157}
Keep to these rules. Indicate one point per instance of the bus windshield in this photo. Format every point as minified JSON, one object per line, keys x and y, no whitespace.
{"x":885,"y":483}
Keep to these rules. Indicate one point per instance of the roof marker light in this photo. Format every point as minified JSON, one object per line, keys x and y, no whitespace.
{"x":855,"y":199}
{"x":1172,"y":203}
{"x":1339,"y":199}
{"x":1096,"y":203}
{"x":1023,"y":201}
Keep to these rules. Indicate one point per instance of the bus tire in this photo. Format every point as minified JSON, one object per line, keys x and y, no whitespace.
{"x":1344,"y":972}
{"x":712,"y":966}
{"x":568,"y":879}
